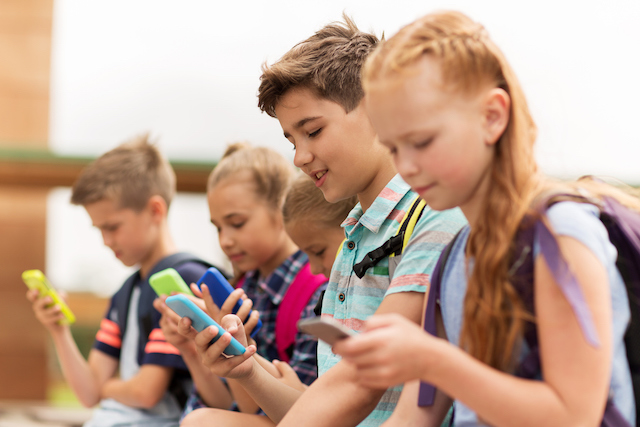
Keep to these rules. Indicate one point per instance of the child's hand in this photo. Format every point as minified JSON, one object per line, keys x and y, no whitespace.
{"x":218,"y":313}
{"x":245,"y":308}
{"x":46,"y":313}
{"x":288,"y":376}
{"x":392,"y":350}
{"x":211,"y":355}
{"x":169,"y":324}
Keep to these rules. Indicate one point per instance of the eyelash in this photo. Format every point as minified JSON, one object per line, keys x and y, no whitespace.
{"x":423,"y":143}
{"x":319,"y":254}
{"x":315,"y":133}
{"x":238,"y":225}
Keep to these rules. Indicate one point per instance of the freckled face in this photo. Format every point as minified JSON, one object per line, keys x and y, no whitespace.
{"x":437,"y":138}
{"x":319,"y":242}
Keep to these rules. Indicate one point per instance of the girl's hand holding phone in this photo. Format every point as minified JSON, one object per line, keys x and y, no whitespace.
{"x":248,"y":316}
{"x":390,"y":351}
{"x":212,"y":354}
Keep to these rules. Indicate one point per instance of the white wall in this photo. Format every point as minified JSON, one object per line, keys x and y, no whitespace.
{"x":189,"y":71}
{"x":77,"y":260}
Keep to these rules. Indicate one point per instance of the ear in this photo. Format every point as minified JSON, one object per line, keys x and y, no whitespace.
{"x":157,"y":207}
{"x":497,"y":111}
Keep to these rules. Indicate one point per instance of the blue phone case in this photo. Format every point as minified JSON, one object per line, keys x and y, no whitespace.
{"x":184,"y":307}
{"x":220,"y":289}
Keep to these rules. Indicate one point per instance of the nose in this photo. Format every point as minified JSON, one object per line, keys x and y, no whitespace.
{"x":303,"y":155}
{"x":225,"y":239}
{"x":315,"y":267}
{"x":406,"y":163}
{"x":107,"y":239}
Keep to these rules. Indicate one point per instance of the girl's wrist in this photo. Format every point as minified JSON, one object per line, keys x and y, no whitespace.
{"x":436,"y":353}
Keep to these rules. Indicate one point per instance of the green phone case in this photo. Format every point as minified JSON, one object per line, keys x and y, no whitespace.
{"x":35,"y":279}
{"x":166,"y":281}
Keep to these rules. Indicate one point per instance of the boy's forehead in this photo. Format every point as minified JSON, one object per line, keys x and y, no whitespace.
{"x":103,"y":210}
{"x":301,"y":105}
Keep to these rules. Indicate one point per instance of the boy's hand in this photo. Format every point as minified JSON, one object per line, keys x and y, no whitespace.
{"x":212,"y":355}
{"x":288,"y":376}
{"x":46,"y":313}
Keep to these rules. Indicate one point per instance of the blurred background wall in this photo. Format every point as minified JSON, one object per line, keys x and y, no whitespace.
{"x":78,"y":78}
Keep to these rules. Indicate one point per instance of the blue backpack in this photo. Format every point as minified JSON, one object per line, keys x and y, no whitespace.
{"x":147,"y":295}
{"x":623,"y":226}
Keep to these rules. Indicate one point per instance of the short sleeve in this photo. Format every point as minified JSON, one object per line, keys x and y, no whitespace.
{"x":431,"y":234}
{"x":157,"y":350}
{"x":581,"y":221}
{"x":109,"y":336}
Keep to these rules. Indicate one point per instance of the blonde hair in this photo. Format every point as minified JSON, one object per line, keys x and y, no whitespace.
{"x":130,"y":175}
{"x":494,"y":315}
{"x":328,"y":63}
{"x":306,"y":202}
{"x":270,"y":172}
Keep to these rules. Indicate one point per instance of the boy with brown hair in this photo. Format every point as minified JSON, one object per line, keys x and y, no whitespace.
{"x":127,"y":193}
{"x":315,"y":93}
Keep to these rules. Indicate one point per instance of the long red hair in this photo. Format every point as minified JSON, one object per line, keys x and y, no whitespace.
{"x":493,"y":313}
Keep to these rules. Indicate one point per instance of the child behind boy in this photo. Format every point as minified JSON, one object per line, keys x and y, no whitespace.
{"x":246,"y":191}
{"x":315,"y":224}
{"x":127,"y":192}
{"x":315,"y":93}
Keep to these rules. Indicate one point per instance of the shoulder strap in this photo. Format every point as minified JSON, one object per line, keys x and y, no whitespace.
{"x":427,"y":392}
{"x":123,"y":296}
{"x":293,"y":304}
{"x":395,"y":244}
{"x":121,"y":301}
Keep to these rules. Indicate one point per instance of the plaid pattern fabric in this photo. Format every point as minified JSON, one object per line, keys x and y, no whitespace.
{"x":267,"y":294}
{"x":351,"y":300}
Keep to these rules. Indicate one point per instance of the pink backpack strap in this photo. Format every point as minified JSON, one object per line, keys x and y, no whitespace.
{"x":293,"y":304}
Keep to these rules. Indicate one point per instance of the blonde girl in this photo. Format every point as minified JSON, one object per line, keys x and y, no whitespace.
{"x":450,"y":109}
{"x":314,"y":224}
{"x":245,"y":194}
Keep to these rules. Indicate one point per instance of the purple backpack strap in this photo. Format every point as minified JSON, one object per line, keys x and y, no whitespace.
{"x":623,"y":227}
{"x":427,"y":392}
{"x":293,"y":304}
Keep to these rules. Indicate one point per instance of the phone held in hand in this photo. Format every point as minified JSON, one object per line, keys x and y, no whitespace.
{"x":167,"y":281}
{"x":200,"y":320}
{"x":327,"y":330}
{"x":35,"y":279}
{"x":220,"y":289}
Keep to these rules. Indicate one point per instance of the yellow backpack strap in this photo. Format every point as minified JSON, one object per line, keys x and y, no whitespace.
{"x":409,"y":222}
{"x":340,"y":247}
{"x":395,"y":244}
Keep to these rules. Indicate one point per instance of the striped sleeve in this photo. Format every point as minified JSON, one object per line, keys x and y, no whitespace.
{"x":432,"y":233}
{"x":109,"y":337}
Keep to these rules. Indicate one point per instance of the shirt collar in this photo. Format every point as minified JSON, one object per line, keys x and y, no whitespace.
{"x":380,"y":209}
{"x":276,"y":284}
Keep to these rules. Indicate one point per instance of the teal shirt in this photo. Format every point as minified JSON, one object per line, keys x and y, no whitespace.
{"x":351,"y":300}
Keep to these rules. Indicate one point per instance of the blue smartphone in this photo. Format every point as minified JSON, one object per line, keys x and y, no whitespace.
{"x":220,"y":289}
{"x":184,"y":307}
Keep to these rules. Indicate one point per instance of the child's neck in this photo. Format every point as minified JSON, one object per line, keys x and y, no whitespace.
{"x":162,"y":248}
{"x":285,"y":250}
{"x":386,"y":172}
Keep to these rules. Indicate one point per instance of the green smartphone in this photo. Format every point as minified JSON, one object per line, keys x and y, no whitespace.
{"x":35,"y":279}
{"x":166,"y":281}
